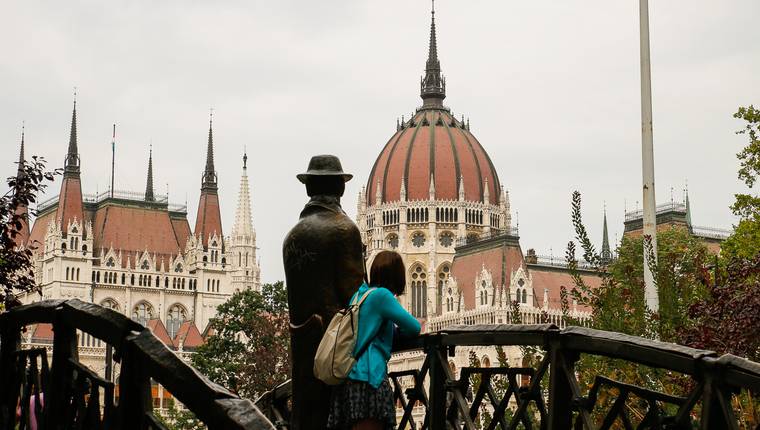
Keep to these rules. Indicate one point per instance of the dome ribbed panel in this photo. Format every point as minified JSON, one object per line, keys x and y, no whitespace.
{"x":441,"y":148}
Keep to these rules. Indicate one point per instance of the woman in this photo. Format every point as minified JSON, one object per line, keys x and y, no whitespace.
{"x":365,"y":400}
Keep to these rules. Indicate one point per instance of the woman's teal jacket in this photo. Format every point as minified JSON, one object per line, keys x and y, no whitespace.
{"x":380,"y":306}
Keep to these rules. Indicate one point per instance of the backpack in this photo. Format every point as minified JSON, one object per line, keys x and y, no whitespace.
{"x":334,"y":358}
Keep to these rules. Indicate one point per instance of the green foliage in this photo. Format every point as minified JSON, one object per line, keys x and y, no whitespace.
{"x":744,"y":243}
{"x":618,"y":303}
{"x":249,"y":350}
{"x":180,"y":419}
{"x":16,"y":264}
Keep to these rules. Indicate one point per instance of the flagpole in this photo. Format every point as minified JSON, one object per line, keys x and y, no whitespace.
{"x":647,"y":158}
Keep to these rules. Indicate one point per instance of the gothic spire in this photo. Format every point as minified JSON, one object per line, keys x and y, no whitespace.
{"x":243,"y":227}
{"x":149,"y":197}
{"x":209,"y":175}
{"x":606,"y":256}
{"x":21,"y":158}
{"x":22,"y":235}
{"x":688,"y":207}
{"x":433,"y":84}
{"x":71,"y":165}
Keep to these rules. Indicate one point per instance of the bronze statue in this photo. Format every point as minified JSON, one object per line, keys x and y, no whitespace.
{"x":324,"y":266}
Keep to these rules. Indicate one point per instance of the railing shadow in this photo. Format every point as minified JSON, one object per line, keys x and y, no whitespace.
{"x":70,"y":395}
{"x":550,"y":395}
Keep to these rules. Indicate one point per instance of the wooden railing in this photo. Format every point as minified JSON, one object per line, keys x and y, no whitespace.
{"x":550,"y":395}
{"x":67,"y":394}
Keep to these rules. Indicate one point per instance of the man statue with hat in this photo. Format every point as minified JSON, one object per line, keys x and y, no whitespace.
{"x":324,"y":266}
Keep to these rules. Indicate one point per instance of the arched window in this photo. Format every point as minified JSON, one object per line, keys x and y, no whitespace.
{"x":123,"y":278}
{"x":485,"y":361}
{"x":518,"y":297}
{"x":110,"y":304}
{"x":166,"y":282}
{"x":63,"y":247}
{"x":132,"y":280}
{"x":443,"y":277}
{"x":174,"y":319}
{"x":525,"y":296}
{"x":419,"y":292}
{"x":97,"y":277}
{"x":67,"y":273}
{"x":84,"y":250}
{"x":392,"y":241}
{"x":77,"y":273}
{"x":142,"y":312}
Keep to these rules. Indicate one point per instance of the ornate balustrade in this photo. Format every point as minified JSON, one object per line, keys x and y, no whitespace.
{"x":550,"y":396}
{"x":67,"y":394}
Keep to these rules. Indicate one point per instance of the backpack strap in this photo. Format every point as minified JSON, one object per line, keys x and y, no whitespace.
{"x":363,"y":298}
{"x":366,"y":345}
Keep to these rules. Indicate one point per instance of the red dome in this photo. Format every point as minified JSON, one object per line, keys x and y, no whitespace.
{"x":433,"y":143}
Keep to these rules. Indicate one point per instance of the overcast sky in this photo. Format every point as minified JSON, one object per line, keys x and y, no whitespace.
{"x":551,"y":89}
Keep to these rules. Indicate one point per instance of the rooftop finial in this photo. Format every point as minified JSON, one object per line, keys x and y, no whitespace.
{"x":71,"y":164}
{"x":21,"y":157}
{"x":606,"y":255}
{"x":209,"y":174}
{"x":245,"y":158}
{"x":433,"y":85}
{"x":149,"y":197}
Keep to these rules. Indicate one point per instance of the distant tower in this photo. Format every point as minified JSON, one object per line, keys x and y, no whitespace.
{"x":208,"y":223}
{"x":606,"y":255}
{"x":243,"y":240}
{"x":149,"y":196}
{"x":70,"y":199}
{"x":23,"y":233}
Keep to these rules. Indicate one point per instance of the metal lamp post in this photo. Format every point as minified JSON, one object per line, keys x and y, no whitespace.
{"x":647,"y":158}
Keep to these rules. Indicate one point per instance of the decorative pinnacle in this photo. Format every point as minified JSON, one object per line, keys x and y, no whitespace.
{"x":209,"y":175}
{"x":71,"y":164}
{"x":606,"y":255}
{"x":149,"y":197}
{"x":433,"y":85}
{"x":21,"y":157}
{"x":245,"y":159}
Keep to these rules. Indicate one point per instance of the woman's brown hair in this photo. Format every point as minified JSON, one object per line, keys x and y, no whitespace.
{"x":388,"y":271}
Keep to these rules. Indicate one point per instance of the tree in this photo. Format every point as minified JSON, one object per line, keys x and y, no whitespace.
{"x":248,"y":351}
{"x":16,"y":264}
{"x":745,"y":241}
{"x":618,"y":304}
{"x":180,"y":419}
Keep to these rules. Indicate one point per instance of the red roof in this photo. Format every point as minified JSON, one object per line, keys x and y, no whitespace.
{"x":43,"y":333}
{"x":433,"y":143}
{"x":188,"y":335}
{"x":70,"y":202}
{"x":209,"y":220}
{"x":159,"y":330}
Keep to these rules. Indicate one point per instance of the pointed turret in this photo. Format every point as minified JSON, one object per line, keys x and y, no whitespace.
{"x":431,"y":188}
{"x":243,"y":241}
{"x":22,"y":235}
{"x":243,"y":223}
{"x":688,"y":208}
{"x":71,"y":165}
{"x":209,"y":220}
{"x":209,"y":174}
{"x":70,"y":198}
{"x":149,"y":197}
{"x":433,"y":84}
{"x":606,"y":255}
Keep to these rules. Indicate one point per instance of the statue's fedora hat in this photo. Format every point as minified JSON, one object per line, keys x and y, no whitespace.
{"x":324,"y":165}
